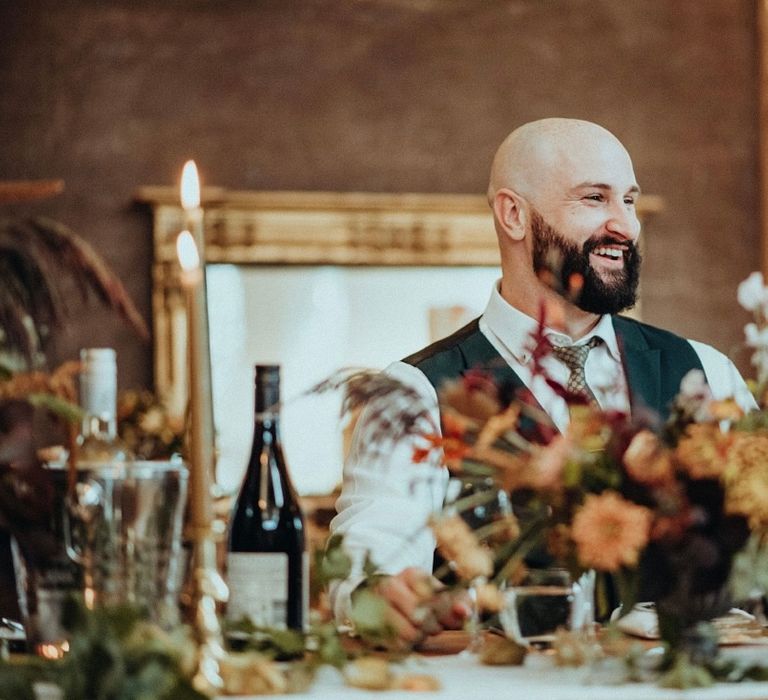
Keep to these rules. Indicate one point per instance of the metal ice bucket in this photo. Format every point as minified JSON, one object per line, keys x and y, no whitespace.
{"x":125,"y":531}
{"x":121,"y":531}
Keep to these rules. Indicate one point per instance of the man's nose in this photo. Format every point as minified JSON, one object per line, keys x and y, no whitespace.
{"x":623,"y":221}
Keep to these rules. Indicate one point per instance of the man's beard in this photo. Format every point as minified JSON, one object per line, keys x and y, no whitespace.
{"x":554,"y":253}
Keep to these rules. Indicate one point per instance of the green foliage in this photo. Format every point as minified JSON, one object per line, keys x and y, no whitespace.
{"x":333,"y":562}
{"x":329,"y":649}
{"x":16,"y":682}
{"x":117,"y":655}
{"x":369,"y":615}
{"x":684,"y":674}
{"x":749,"y":571}
{"x":114,"y":655}
{"x":278,"y":644}
{"x":753,"y":422}
{"x":321,"y":645}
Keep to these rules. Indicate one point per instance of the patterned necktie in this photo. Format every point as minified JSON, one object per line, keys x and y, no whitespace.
{"x":574,"y":357}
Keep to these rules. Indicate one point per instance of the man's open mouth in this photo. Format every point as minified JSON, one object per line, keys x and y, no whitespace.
{"x":609,"y":257}
{"x":610,"y":252}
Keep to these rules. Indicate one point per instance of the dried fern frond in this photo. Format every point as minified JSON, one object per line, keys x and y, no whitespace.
{"x":60,"y":383}
{"x":393,"y":410}
{"x":36,"y":255}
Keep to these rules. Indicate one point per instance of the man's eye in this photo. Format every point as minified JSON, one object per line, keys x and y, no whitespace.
{"x":595,"y":197}
{"x":630,"y":201}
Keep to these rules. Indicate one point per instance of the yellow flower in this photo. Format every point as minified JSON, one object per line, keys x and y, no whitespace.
{"x":703,"y":450}
{"x":746,"y":479}
{"x":610,"y":531}
{"x":457,"y":544}
{"x":506,"y":529}
{"x":152,"y":421}
{"x":588,"y":428}
{"x":646,"y":460}
{"x":489,"y":598}
{"x":727,"y":409}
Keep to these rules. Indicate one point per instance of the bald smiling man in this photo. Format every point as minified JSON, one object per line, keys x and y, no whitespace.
{"x":562,"y":190}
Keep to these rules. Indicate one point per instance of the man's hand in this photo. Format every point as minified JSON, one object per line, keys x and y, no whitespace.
{"x":418,"y":608}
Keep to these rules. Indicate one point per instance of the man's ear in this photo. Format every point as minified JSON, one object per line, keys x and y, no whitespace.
{"x":511,"y":213}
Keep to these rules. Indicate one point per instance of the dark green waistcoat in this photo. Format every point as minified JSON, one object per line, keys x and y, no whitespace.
{"x":655,"y":361}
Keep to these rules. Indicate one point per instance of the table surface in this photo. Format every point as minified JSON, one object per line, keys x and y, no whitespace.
{"x":464,"y":678}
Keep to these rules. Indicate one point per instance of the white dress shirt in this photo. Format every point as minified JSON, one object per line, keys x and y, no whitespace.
{"x":386,"y":499}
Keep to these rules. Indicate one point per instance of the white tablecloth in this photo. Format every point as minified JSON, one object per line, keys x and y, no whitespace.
{"x":464,"y":678}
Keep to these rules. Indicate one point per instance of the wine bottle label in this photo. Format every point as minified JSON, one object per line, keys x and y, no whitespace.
{"x":258,"y":587}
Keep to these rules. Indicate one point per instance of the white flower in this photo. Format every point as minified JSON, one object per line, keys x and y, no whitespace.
{"x":695,"y":395}
{"x":152,"y":421}
{"x":752,"y":294}
{"x":694,"y":385}
{"x":756,"y":337}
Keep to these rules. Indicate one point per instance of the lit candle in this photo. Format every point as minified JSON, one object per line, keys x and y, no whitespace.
{"x":193,"y":222}
{"x":207,"y":585}
{"x":190,"y":203}
{"x":200,"y":443}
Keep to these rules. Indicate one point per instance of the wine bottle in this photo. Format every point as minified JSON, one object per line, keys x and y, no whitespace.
{"x":98,"y":443}
{"x":267,"y":563}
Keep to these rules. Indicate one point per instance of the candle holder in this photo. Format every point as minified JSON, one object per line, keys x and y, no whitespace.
{"x":208,"y":589}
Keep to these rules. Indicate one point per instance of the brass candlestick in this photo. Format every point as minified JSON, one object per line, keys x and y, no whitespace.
{"x":207,"y":585}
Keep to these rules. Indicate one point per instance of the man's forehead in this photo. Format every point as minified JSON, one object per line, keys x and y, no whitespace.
{"x":592,"y":163}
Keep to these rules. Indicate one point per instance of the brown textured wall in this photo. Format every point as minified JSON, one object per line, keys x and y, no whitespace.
{"x":384,"y":95}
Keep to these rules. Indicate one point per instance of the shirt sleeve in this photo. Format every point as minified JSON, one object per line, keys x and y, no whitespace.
{"x":724,"y":379}
{"x":386,"y":498}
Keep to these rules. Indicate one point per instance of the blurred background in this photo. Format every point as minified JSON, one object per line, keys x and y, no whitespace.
{"x":380,"y":96}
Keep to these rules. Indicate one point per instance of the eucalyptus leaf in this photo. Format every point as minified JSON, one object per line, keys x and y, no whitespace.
{"x":370,"y":616}
{"x":15,"y":684}
{"x":749,"y":570}
{"x":335,"y":563}
{"x":329,"y":648}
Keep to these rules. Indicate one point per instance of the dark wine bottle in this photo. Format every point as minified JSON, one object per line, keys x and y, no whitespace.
{"x":267,"y":562}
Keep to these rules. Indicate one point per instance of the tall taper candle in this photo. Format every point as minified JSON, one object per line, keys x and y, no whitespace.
{"x":207,"y":585}
{"x":201,"y":511}
{"x":193,"y":219}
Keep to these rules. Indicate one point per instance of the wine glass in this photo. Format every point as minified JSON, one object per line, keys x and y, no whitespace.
{"x":482,"y":505}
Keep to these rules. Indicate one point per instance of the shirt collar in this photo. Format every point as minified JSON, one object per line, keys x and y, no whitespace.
{"x":513,"y":329}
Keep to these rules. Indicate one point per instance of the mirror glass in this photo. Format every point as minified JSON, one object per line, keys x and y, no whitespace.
{"x":314,"y":320}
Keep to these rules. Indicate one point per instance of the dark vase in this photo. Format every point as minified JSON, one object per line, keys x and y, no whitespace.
{"x":687,"y":577}
{"x":686,"y":626}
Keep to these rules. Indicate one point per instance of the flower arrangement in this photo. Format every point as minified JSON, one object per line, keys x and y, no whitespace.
{"x":674,"y":513}
{"x":146,"y":427}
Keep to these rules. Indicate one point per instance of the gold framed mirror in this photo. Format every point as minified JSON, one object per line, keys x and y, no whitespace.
{"x":432,"y":256}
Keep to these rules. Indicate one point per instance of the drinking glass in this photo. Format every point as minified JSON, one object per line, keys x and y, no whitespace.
{"x":545,"y":601}
{"x":480,"y":503}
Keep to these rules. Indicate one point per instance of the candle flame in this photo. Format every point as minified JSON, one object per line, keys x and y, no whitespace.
{"x":190,"y":186}
{"x":189,"y":258}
